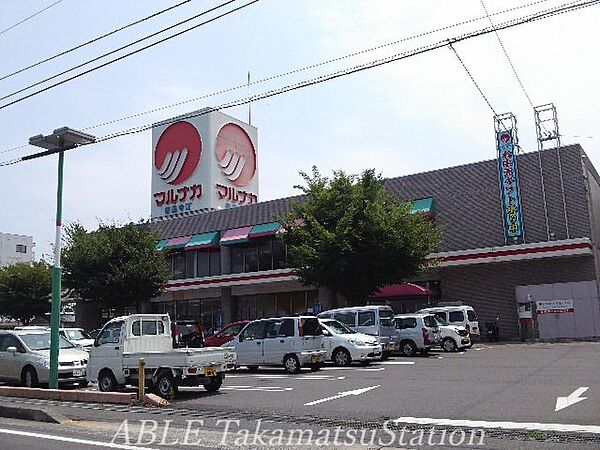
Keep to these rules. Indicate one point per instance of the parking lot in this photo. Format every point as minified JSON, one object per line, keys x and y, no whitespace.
{"x":507,"y":382}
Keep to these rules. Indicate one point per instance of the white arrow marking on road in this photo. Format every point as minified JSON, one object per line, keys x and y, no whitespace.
{"x":342,"y":394}
{"x":571,"y":399}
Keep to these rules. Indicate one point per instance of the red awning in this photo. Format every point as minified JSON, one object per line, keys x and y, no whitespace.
{"x":402,"y":290}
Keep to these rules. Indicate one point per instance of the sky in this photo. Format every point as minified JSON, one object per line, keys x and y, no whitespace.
{"x":418,"y":114}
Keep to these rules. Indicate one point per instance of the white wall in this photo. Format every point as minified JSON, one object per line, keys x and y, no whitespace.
{"x":8,"y":248}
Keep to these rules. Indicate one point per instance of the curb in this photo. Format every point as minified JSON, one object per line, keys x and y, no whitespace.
{"x":36,"y":415}
{"x":120,"y":398}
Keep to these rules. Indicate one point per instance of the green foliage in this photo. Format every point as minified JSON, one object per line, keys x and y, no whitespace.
{"x":352,"y":236}
{"x":114,"y":265}
{"x":25,"y":290}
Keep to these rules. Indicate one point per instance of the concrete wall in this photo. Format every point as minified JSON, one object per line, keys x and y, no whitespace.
{"x":490,"y":288}
{"x":8,"y":248}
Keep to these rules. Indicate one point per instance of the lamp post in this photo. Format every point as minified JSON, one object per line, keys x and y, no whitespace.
{"x":60,"y":140}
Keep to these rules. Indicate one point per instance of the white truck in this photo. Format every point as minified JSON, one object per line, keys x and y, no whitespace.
{"x":117,"y":350}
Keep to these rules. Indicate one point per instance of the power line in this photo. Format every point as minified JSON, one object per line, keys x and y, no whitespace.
{"x":305,"y":68}
{"x":96,"y":39}
{"x":506,"y":54}
{"x":123,"y":56}
{"x":472,"y":78}
{"x":568,"y":7}
{"x":30,"y":17}
{"x":298,"y":70}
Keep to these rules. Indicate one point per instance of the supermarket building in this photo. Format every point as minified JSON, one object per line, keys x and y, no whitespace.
{"x":228,"y":264}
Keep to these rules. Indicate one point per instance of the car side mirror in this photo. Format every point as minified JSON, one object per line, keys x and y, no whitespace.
{"x":12,"y":350}
{"x":326,"y":332}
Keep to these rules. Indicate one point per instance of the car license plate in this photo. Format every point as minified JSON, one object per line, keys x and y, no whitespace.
{"x":314,"y":359}
{"x":79,"y":372}
{"x":210,"y":372}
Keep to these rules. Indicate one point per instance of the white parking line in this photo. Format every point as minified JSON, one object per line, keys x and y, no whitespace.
{"x":530,"y":426}
{"x":288,"y":377}
{"x":374,"y":369}
{"x":257,"y":388}
{"x":72,"y":440}
{"x":397,"y":363}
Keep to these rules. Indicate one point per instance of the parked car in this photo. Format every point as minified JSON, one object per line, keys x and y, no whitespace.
{"x":344,"y":345}
{"x":77,"y":336}
{"x":417,"y":332}
{"x":456,"y":315}
{"x":225,"y":335}
{"x":293,"y":342}
{"x":454,"y":337}
{"x":124,"y":340}
{"x":376,"y":320}
{"x":25,"y":358}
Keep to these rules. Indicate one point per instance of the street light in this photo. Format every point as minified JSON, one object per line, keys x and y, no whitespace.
{"x":60,"y":140}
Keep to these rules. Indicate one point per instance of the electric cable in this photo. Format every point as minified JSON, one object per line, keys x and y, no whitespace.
{"x":317,"y":80}
{"x":122,"y":56}
{"x":506,"y":54}
{"x":30,"y":17}
{"x":96,"y":39}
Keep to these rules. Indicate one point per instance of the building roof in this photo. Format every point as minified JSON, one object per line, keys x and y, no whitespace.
{"x":467,"y":202}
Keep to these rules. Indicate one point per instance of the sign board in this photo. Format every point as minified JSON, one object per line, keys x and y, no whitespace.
{"x":554,"y":306}
{"x":509,"y":184}
{"x":202,"y":161}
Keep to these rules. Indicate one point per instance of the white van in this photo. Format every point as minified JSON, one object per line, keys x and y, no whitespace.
{"x":293,"y":342}
{"x":417,"y":332}
{"x":376,"y":320}
{"x":456,"y":315}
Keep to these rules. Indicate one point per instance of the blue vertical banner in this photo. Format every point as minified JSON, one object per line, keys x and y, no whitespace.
{"x":509,"y":184}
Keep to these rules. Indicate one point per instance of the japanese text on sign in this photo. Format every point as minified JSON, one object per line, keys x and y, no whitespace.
{"x":509,"y":184}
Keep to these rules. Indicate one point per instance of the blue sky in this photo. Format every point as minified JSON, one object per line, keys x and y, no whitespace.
{"x":410,"y":116}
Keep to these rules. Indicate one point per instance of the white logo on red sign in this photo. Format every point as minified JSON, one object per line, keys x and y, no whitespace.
{"x":178,"y":152}
{"x":236,"y":154}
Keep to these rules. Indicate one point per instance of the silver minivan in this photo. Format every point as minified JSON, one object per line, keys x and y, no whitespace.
{"x":293,"y":342}
{"x":376,"y":320}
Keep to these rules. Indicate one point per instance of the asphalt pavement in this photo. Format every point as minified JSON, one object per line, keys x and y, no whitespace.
{"x":514,"y":395}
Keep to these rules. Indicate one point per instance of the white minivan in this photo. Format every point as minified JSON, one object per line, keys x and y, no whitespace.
{"x":293,"y":342}
{"x":456,"y":315}
{"x":376,"y":320}
{"x":344,"y":345}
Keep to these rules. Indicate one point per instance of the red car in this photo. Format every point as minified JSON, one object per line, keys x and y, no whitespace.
{"x":226,"y":335}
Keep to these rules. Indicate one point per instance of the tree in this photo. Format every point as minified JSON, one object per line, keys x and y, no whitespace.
{"x":25,"y":290}
{"x":353,"y":237}
{"x":117,"y":266}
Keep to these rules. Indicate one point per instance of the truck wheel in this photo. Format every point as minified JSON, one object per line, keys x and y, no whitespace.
{"x":29,"y":377}
{"x":166,"y":386}
{"x":291,"y":364}
{"x":449,"y":345}
{"x":214,"y":385}
{"x":107,"y":381}
{"x":342,"y":357}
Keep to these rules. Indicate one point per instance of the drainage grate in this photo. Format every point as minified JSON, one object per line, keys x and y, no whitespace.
{"x":322,"y":422}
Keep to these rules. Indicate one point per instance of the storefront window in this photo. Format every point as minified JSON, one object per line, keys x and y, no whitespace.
{"x":251,"y":259}
{"x":203,"y":262}
{"x":237,"y":259}
{"x":190,"y":264}
{"x":215,"y":262}
{"x":265,"y":254}
{"x":279,"y":255}
{"x":177,"y":266}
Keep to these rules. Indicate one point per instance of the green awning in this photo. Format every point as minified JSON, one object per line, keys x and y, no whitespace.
{"x":203,"y":240}
{"x":423,"y":206}
{"x":160,"y":245}
{"x":264,"y":229}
